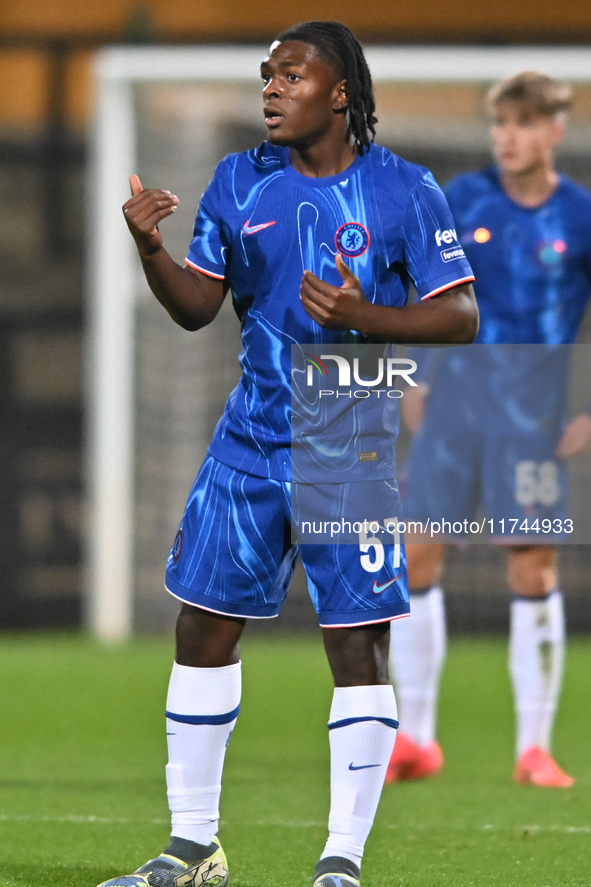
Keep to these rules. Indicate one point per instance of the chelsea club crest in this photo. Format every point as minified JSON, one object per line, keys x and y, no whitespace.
{"x":352,"y":239}
{"x":177,"y":547}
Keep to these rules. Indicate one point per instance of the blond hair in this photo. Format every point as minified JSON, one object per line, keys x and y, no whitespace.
{"x":536,"y":92}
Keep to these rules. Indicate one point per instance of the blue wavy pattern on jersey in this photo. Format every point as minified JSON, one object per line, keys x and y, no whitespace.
{"x":261,"y":224}
{"x":329,"y":432}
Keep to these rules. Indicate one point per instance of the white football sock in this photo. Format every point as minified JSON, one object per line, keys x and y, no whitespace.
{"x":417,"y":652}
{"x":362,"y":730}
{"x":201,"y":711}
{"x":536,"y":655}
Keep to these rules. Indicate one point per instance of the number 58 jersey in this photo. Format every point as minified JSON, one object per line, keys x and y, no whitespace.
{"x":261,"y":224}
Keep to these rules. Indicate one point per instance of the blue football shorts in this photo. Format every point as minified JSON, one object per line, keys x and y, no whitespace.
{"x":240,"y":536}
{"x":505,"y":480}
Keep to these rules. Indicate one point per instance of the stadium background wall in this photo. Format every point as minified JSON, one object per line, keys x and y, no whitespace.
{"x":44,"y":61}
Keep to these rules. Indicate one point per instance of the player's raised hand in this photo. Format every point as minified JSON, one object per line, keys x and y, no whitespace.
{"x":334,"y":307}
{"x":144,"y":210}
{"x":576,"y":437}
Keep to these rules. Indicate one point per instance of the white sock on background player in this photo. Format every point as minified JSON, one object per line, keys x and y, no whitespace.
{"x":362,"y":730}
{"x":417,"y":652}
{"x":201,"y":711}
{"x":536,"y":656}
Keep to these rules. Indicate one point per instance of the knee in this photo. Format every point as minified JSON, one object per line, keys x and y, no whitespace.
{"x":207,"y":640}
{"x":424,"y":563}
{"x":532,"y":572}
{"x":358,"y":656}
{"x":187,"y":641}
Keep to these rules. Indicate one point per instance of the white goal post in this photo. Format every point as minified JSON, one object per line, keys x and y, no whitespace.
{"x":112,"y":266}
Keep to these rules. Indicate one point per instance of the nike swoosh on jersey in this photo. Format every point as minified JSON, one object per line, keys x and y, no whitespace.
{"x":362,"y":766}
{"x":378,"y":589}
{"x":247,"y":229}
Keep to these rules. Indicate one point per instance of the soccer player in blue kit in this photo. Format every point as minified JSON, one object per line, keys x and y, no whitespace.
{"x":526,"y":231}
{"x":317,"y":233}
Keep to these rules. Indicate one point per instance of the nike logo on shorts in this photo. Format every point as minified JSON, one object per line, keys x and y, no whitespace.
{"x":378,"y":589}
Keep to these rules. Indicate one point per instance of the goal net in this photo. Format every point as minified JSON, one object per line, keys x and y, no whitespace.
{"x":155,"y":391}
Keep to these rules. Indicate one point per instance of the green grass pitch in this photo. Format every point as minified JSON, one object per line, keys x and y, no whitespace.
{"x":82,"y":754}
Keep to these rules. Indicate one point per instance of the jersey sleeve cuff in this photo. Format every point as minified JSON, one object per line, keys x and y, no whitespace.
{"x":206,"y":267}
{"x":441,"y":287}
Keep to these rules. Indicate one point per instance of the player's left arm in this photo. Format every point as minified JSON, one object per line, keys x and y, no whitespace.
{"x":448,"y":318}
{"x":576,"y":437}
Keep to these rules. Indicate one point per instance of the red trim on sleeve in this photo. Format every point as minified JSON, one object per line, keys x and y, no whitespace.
{"x":448,"y":286}
{"x":205,"y":271}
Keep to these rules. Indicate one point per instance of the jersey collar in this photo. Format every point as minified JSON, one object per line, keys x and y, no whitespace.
{"x":323,"y":182}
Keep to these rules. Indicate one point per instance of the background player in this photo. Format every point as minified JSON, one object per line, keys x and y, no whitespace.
{"x":268,"y":220}
{"x":527,"y":233}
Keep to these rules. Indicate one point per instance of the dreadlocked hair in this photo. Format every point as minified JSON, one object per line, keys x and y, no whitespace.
{"x":338,"y":46}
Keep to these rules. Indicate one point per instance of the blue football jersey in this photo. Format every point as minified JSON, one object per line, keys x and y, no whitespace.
{"x":261,"y":224}
{"x":532,"y":265}
{"x":533,"y":283}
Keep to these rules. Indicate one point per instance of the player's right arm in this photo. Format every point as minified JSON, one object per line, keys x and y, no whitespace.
{"x":191,"y":298}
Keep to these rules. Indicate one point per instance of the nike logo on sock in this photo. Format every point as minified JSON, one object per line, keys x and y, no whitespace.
{"x":362,"y":766}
